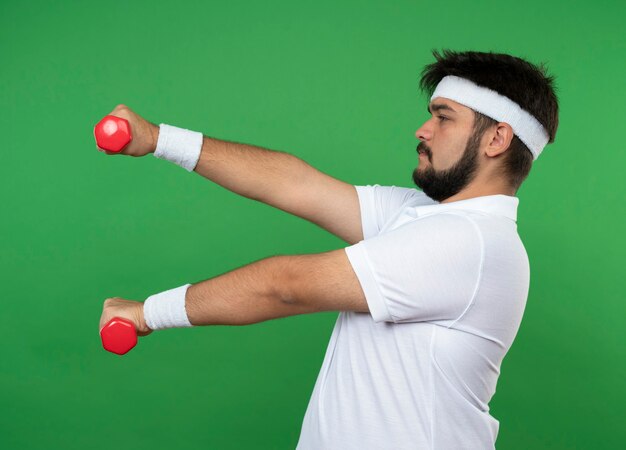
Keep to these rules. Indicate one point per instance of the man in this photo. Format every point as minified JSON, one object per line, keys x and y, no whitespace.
{"x":432,"y":288}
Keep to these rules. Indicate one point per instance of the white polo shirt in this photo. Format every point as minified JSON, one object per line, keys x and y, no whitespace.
{"x":446,"y":285}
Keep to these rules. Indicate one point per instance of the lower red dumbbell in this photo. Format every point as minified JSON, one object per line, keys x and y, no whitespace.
{"x":118,"y":336}
{"x":112,"y":133}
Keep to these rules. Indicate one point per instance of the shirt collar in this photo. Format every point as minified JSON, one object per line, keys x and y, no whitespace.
{"x":499,"y":204}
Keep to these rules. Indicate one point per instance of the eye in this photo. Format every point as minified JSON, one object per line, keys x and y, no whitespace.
{"x":442,"y":118}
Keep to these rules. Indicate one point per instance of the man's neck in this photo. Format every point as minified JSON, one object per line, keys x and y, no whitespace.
{"x":479,"y":188}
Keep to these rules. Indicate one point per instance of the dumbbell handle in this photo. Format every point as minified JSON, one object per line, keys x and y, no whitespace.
{"x":118,"y":336}
{"x":112,"y":133}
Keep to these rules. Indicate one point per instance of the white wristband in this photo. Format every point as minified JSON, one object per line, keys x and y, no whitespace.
{"x":167,"y":309}
{"x":179,"y":145}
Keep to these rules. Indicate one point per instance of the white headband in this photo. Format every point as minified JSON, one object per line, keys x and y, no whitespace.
{"x":496,"y":106}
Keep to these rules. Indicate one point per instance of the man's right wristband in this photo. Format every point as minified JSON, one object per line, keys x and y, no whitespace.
{"x":179,"y":145}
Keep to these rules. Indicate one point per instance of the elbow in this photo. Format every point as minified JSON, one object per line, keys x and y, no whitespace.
{"x":283,"y":279}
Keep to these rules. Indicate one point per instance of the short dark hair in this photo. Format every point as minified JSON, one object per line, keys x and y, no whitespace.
{"x":526,"y":84}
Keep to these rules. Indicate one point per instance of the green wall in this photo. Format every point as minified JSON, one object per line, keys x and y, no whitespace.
{"x":334,"y":83}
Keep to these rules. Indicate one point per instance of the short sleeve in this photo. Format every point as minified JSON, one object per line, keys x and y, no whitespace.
{"x":379,"y":204}
{"x":426,"y":270}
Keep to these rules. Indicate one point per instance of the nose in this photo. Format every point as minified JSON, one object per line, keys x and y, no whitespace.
{"x":423,"y":133}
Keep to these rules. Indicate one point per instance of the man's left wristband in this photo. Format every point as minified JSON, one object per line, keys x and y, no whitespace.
{"x":167,"y":309}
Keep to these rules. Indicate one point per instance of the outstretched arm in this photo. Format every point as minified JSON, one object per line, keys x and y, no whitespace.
{"x":270,"y":288}
{"x":276,"y":287}
{"x":274,"y":177}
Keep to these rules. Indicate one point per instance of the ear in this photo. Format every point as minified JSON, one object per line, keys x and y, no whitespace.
{"x":499,"y":139}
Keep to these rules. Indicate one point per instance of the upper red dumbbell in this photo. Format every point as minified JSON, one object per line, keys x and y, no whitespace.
{"x":118,"y":336}
{"x":112,"y":133}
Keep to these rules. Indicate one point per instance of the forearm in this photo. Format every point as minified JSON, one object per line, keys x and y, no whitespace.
{"x":250,"y":294}
{"x":253,"y":172}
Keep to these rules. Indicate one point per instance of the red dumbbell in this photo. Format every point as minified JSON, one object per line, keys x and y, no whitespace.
{"x":112,"y":133}
{"x":118,"y":336}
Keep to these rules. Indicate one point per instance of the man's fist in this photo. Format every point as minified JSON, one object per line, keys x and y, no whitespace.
{"x":144,"y":133}
{"x":126,"y":309}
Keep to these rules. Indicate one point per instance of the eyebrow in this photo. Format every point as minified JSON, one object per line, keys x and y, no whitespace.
{"x":439,"y":107}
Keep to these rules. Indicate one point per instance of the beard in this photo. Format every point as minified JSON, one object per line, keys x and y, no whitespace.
{"x":442,"y":184}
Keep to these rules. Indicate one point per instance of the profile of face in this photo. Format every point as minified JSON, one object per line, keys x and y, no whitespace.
{"x":448,"y":150}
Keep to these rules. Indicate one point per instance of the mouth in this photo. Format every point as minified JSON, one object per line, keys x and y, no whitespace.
{"x":422,"y":151}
